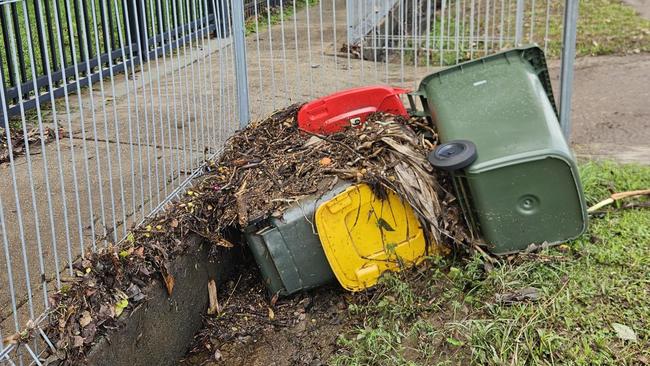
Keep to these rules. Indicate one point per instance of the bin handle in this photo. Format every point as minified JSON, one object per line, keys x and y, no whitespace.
{"x":413,"y":109}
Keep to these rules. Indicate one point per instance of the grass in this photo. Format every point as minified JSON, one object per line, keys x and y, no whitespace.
{"x":276,"y":14}
{"x":446,"y":313}
{"x":604,"y":27}
{"x":20,"y":30}
{"x":75,"y":33}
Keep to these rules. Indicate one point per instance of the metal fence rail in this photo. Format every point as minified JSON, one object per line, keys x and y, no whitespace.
{"x":82,"y":43}
{"x":108,"y":108}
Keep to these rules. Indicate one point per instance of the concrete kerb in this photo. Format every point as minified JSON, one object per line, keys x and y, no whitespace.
{"x":160,"y":330}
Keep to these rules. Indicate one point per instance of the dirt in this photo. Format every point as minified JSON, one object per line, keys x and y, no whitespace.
{"x":254,"y":329}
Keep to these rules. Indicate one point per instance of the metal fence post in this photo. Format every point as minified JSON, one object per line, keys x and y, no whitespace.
{"x":519,"y":22}
{"x":241,"y":69}
{"x":568,"y":57}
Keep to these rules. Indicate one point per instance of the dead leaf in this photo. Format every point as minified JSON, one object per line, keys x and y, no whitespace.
{"x":224,"y":243}
{"x":217,"y":355}
{"x":383,"y":224}
{"x":12,"y":339}
{"x":106,"y":311}
{"x":85,"y":319}
{"x":314,"y":140}
{"x":523,"y":295}
{"x":169,"y":282}
{"x":77,"y":342}
{"x":173,"y":223}
{"x":325,"y":161}
{"x":139,"y":251}
{"x":624,"y":332}
{"x":271,"y":314}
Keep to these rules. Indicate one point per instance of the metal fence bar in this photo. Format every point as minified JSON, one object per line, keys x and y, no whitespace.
{"x":284,"y":52}
{"x":19,"y":211}
{"x":96,"y":141}
{"x":48,"y":190}
{"x":309,"y":51}
{"x":519,"y":22}
{"x":268,"y":20}
{"x":241,"y":74}
{"x":568,"y":57}
{"x":46,"y":63}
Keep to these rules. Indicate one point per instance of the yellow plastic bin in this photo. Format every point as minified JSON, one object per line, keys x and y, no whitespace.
{"x":364,"y":236}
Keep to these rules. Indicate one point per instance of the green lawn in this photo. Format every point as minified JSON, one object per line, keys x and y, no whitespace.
{"x":74,"y":33}
{"x":604,"y":27}
{"x":447,"y":313}
{"x":275,"y":14}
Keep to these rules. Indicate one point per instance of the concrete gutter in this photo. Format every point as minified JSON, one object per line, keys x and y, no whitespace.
{"x":160,"y":330}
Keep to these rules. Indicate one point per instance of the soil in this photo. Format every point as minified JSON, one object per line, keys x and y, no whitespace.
{"x":254,"y":329}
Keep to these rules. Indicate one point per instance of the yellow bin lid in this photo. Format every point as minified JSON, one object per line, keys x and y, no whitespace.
{"x":364,"y":236}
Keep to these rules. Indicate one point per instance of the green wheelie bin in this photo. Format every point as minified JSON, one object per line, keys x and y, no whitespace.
{"x":519,"y":183}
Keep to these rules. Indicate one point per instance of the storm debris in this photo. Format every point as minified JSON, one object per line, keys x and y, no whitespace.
{"x":20,"y":140}
{"x":262,"y":170}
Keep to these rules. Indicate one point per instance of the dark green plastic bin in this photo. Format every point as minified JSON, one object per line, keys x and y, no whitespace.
{"x":524,"y":186}
{"x":288,"y":251}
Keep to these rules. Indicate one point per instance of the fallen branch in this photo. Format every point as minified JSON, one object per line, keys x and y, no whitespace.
{"x":616,"y":197}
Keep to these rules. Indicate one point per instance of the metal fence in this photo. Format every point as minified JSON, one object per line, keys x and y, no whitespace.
{"x":109,"y":108}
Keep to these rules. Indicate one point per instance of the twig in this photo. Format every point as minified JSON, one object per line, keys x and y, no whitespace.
{"x":617,"y":196}
{"x":335,"y":142}
{"x":232,"y":292}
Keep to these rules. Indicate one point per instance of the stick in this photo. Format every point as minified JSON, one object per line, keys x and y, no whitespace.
{"x":212,"y":295}
{"x":334,"y":142}
{"x":617,"y":196}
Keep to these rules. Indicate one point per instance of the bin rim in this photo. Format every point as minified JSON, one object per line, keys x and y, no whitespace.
{"x":536,"y":58}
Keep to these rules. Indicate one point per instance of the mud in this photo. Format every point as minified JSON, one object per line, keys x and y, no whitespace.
{"x":253,"y":329}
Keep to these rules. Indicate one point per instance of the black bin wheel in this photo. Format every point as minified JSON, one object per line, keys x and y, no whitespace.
{"x":453,"y":155}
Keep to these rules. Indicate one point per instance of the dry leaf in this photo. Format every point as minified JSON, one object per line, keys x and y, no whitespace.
{"x":77,"y":342}
{"x":169,"y":282}
{"x":271,"y":314}
{"x":624,"y":332}
{"x":85,"y":319}
{"x":325,"y":161}
{"x":139,"y":251}
{"x":224,"y":243}
{"x":12,"y":339}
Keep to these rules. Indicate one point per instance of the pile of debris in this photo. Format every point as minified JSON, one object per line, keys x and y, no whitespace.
{"x":262,"y":170}
{"x":20,"y":141}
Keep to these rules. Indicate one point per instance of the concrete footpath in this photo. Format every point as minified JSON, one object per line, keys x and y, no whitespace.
{"x":610,"y":114}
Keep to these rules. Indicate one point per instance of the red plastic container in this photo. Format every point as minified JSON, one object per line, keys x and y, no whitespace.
{"x":349,"y":108}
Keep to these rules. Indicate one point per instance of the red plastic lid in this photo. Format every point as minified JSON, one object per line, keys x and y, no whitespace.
{"x":349,"y":107}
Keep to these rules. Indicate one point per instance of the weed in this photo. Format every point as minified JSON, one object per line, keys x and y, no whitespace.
{"x":276,"y":14}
